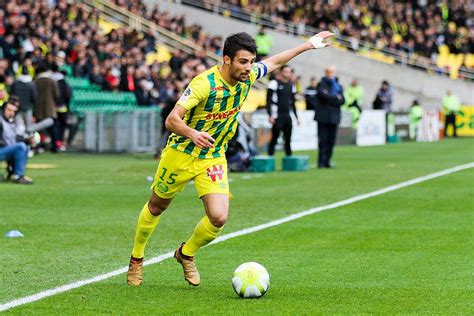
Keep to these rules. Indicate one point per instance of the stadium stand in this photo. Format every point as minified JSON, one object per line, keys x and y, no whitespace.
{"x":28,"y":38}
{"x":434,"y":35}
{"x":108,"y":52}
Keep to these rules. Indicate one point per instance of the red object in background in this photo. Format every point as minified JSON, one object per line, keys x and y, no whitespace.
{"x":112,"y":80}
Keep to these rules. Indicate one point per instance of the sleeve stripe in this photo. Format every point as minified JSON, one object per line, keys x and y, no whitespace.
{"x":262,"y":70}
{"x":265,"y":69}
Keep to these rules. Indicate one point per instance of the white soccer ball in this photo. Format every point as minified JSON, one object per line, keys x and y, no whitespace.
{"x":251,"y":280}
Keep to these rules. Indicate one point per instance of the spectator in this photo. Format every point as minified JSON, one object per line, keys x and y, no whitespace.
{"x":328,"y":115}
{"x":354,"y":95}
{"x":96,"y":76}
{"x":127,"y":82}
{"x":3,"y":90}
{"x":111,"y":80}
{"x":383,"y":98}
{"x":24,"y":88}
{"x":143,"y":93}
{"x":450,"y":106}
{"x":13,"y":148}
{"x":264,"y":43}
{"x":62,"y":107}
{"x":48,"y":97}
{"x":416,"y":111}
{"x":310,"y":94}
{"x":176,"y":61}
{"x":280,"y":103}
{"x":416,"y":27}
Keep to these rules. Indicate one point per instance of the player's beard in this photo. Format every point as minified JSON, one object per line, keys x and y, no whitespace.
{"x":241,"y":77}
{"x":237,"y":75}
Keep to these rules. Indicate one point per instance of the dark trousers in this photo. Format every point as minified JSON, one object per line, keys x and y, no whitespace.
{"x":450,"y":120}
{"x":282,"y":123}
{"x":326,"y":141}
{"x":62,"y":125}
{"x":53,"y":132}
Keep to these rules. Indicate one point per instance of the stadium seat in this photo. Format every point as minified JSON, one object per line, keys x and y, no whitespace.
{"x":443,"y":50}
{"x":469,"y":61}
{"x":107,"y":26}
{"x":442,"y":61}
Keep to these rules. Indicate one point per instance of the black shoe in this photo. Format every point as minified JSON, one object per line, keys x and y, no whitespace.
{"x":21,"y":179}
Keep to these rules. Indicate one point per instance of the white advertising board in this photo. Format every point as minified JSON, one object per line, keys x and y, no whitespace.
{"x":371,"y":129}
{"x":429,"y":126}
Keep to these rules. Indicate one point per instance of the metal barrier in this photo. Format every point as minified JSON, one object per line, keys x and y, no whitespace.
{"x":132,"y":131}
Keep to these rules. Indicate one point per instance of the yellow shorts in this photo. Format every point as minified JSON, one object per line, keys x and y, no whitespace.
{"x":177,"y":168}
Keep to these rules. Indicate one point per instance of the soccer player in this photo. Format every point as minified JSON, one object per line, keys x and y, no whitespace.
{"x":202,"y":122}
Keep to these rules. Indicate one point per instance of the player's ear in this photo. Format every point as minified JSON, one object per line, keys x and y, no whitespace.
{"x":227,"y":60}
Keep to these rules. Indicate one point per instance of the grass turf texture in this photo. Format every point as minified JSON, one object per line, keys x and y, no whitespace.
{"x":408,"y":251}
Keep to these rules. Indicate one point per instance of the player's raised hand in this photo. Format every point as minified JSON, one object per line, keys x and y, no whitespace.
{"x":318,"y":40}
{"x":203,"y":140}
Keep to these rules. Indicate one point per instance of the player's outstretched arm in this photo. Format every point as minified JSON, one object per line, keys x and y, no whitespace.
{"x":280,"y":59}
{"x":174,"y":123}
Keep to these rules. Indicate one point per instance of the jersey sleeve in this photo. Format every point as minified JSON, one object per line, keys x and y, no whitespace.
{"x":258,"y":71}
{"x":195,"y":93}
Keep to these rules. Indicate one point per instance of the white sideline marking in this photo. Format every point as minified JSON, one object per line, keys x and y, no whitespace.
{"x":77,"y":284}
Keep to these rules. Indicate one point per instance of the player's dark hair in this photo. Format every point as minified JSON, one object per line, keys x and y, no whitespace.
{"x":239,"y":41}
{"x":286,"y":66}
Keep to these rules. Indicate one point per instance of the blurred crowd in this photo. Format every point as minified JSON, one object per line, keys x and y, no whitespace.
{"x":64,"y":39}
{"x":68,"y":35}
{"x":418,"y":27}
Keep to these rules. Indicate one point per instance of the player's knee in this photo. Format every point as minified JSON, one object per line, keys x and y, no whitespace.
{"x":157,"y":205}
{"x":218,"y":220}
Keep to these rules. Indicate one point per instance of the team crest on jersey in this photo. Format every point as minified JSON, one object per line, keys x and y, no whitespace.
{"x":215,"y":172}
{"x":186,"y":94}
{"x":163,"y":188}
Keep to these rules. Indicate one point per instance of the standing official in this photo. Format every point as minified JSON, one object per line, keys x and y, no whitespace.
{"x":310,"y":94}
{"x":450,"y":106}
{"x":280,"y":101}
{"x":328,"y":115}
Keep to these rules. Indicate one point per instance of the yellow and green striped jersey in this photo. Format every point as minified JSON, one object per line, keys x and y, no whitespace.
{"x":213,"y":107}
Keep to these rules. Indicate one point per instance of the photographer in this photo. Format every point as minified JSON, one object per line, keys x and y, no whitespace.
{"x":13,"y":147}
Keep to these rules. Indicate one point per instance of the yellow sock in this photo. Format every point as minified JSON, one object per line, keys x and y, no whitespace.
{"x":203,"y":234}
{"x":147,"y":223}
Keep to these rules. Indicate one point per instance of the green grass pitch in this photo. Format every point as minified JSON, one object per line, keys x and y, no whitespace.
{"x":406,"y":251}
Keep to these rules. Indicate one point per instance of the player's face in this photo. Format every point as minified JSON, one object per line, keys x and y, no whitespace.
{"x":241,"y":65}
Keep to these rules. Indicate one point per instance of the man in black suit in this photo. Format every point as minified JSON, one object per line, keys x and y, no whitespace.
{"x":280,"y":103}
{"x":328,"y":114}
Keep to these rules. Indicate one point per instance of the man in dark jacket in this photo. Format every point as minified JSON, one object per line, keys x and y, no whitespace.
{"x":328,"y":114}
{"x":24,"y":88}
{"x":383,"y":99}
{"x":48,"y":97}
{"x":311,"y":94}
{"x":62,"y":106}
